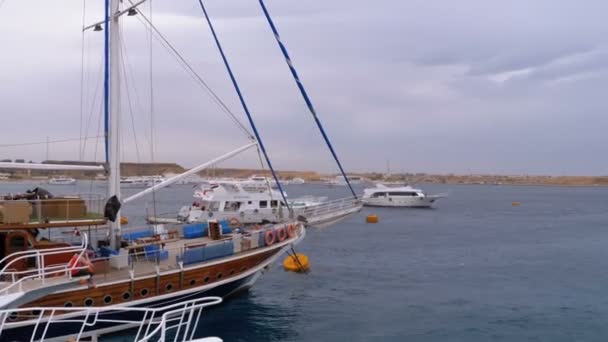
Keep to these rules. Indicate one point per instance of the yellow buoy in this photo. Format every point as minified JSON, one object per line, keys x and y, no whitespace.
{"x":299,"y":263}
{"x":372,"y":219}
{"x":124,"y":220}
{"x":515,"y":204}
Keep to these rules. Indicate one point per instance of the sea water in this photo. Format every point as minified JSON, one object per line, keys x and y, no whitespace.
{"x":475,"y":268}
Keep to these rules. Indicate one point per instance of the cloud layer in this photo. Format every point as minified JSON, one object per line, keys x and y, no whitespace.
{"x":468,"y":86}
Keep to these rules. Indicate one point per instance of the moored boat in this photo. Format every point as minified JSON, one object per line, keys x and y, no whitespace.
{"x":62,"y":180}
{"x":232,"y":201}
{"x":403,"y":196}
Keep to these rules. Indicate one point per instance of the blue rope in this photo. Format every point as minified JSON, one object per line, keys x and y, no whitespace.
{"x":106,"y":80}
{"x":304,"y":94}
{"x":245,"y":108}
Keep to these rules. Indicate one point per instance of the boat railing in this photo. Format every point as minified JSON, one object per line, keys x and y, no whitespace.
{"x":63,"y":208}
{"x":333,"y":206}
{"x":176,"y":322}
{"x":16,"y":278}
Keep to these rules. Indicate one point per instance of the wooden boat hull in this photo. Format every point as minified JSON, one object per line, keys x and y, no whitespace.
{"x":246,"y":271}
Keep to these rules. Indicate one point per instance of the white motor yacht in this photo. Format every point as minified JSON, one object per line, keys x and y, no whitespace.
{"x":404,"y":196}
{"x":231,"y":200}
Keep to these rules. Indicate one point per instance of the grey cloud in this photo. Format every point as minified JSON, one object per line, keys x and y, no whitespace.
{"x":410,"y":81}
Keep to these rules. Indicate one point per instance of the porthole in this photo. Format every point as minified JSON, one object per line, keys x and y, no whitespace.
{"x":13,"y":316}
{"x":219,"y":275}
{"x":35,"y":312}
{"x":107,"y":299}
{"x":89,"y":302}
{"x":143,"y":292}
{"x":126,"y":295}
{"x":231,"y":272}
{"x":192,"y":282}
{"x":68,"y":304}
{"x":169,"y":287}
{"x":206,"y":280}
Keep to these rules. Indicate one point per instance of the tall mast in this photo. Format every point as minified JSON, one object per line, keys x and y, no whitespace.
{"x":113,"y":118}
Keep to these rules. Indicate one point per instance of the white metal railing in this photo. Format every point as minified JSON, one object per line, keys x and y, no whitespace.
{"x":16,"y":278}
{"x":179,"y":321}
{"x":335,"y":206}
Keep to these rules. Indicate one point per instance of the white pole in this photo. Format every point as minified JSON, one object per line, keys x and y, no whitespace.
{"x":37,"y":166}
{"x":114,"y":119}
{"x":189,"y":172}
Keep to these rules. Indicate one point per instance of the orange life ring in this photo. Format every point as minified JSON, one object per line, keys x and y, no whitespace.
{"x":291,"y":231}
{"x":269,"y":237}
{"x":234,"y":222}
{"x":281,"y":233}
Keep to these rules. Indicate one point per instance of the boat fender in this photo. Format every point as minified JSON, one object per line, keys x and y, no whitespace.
{"x":281,"y":233}
{"x":269,"y":237}
{"x":291,"y":230}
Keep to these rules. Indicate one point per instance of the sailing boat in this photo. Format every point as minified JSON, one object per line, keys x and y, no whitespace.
{"x":151,"y":267}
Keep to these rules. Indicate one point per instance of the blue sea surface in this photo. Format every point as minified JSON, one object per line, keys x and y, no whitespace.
{"x":475,"y":268}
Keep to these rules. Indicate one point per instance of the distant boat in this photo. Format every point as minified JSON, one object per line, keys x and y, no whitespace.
{"x":404,"y":196}
{"x":340,"y":180}
{"x":62,"y":180}
{"x":140,"y":181}
{"x":298,"y":181}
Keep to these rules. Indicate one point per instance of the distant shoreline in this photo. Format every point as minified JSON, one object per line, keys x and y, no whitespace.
{"x":143,"y":169}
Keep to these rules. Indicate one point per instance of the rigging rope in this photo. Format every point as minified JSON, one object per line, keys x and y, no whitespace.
{"x":92,"y":112}
{"x":304,"y":94}
{"x":125,"y":64}
{"x":84,"y":11}
{"x":48,"y":142}
{"x":189,"y":69}
{"x":242,"y":100}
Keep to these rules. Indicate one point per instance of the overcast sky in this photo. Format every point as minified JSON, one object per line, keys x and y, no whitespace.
{"x":473,"y":86}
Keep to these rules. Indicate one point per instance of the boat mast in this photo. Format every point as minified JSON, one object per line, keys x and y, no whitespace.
{"x":113,"y":119}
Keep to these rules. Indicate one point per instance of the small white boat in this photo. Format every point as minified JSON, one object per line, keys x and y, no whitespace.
{"x":62,"y":180}
{"x":404,"y":196}
{"x":140,"y":181}
{"x":298,"y":181}
{"x":340,"y":180}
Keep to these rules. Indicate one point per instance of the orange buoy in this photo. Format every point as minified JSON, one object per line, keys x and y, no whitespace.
{"x":124,"y":220}
{"x":515,"y":204}
{"x":372,"y":219}
{"x":296,"y":263}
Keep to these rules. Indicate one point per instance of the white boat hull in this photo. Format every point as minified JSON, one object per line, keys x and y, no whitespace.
{"x":404,"y":202}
